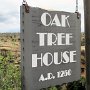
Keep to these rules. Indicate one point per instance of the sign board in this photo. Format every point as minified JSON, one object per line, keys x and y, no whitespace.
{"x":50,"y":48}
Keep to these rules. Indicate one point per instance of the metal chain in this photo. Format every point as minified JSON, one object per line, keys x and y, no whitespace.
{"x":24,"y":2}
{"x":78,"y":14}
{"x":76,"y":5}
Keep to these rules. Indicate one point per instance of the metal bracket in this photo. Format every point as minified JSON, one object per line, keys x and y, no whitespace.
{"x":24,"y":3}
{"x":78,"y":15}
{"x":26,"y":8}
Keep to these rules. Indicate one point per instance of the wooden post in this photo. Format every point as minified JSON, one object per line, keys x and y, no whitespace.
{"x":87,"y":36}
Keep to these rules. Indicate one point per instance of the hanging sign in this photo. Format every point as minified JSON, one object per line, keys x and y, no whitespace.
{"x":50,"y":48}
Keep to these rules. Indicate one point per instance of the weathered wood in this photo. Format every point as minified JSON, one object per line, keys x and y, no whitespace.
{"x":50,"y":49}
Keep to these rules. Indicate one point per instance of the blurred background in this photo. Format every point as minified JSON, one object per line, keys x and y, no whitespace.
{"x":10,"y":53}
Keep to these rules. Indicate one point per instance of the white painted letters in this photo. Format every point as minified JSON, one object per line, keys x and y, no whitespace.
{"x":56,"y":21}
{"x":55,"y":39}
{"x":56,"y":58}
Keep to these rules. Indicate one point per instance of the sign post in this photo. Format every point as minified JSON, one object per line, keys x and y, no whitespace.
{"x":50,"y":47}
{"x":87,"y":37}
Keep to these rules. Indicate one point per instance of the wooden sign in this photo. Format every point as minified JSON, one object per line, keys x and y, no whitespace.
{"x":50,"y":48}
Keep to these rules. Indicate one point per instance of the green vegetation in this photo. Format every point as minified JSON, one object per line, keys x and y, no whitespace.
{"x":76,"y":85}
{"x":10,"y":73}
